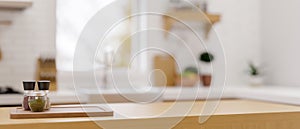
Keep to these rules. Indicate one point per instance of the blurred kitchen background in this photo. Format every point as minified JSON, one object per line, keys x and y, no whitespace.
{"x":259,"y":39}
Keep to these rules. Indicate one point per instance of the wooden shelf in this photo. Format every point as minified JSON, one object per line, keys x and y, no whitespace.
{"x":15,"y":4}
{"x":193,"y":16}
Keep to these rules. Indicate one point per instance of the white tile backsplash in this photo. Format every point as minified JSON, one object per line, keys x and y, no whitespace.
{"x":31,"y":34}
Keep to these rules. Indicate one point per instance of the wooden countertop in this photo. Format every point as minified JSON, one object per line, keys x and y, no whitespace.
{"x":230,"y":114}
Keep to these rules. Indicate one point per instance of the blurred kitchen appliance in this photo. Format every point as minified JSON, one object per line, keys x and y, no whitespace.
{"x":8,"y":90}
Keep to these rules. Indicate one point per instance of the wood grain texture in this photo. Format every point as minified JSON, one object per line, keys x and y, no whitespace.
{"x":230,"y":114}
{"x":62,"y":112}
{"x":190,"y":16}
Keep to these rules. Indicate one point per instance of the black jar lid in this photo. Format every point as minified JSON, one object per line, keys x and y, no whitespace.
{"x":44,"y":84}
{"x":28,"y":84}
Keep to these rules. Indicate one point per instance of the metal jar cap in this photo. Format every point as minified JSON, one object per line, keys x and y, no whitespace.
{"x":28,"y":84}
{"x":44,"y":85}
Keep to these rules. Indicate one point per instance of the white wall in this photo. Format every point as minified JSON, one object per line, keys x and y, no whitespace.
{"x":265,"y":31}
{"x":238,"y":31}
{"x":96,"y":19}
{"x":281,"y":41}
{"x":31,"y":34}
{"x":240,"y":34}
{"x":245,"y":26}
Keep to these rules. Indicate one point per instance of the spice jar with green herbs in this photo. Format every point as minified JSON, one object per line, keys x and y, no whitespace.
{"x":37,"y":101}
{"x":44,"y":87}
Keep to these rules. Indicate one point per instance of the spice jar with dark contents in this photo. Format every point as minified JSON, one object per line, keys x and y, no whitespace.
{"x":37,"y":101}
{"x":28,"y":89}
{"x":44,"y":87}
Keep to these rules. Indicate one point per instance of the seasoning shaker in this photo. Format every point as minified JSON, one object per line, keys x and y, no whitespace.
{"x":37,"y":101}
{"x":44,"y":87}
{"x":28,"y":86}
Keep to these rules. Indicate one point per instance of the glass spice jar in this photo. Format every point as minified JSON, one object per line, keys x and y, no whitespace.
{"x":28,"y":86}
{"x":37,"y":101}
{"x":44,"y":87}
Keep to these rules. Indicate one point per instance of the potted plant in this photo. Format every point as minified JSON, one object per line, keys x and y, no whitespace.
{"x":206,"y":58}
{"x":188,"y":77}
{"x":255,"y":75}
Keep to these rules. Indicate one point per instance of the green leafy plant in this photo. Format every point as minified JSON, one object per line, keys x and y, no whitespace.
{"x":191,"y":69}
{"x":253,"y":70}
{"x":206,"y":57}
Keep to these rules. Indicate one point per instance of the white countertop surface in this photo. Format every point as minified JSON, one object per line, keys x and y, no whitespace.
{"x":279,"y":94}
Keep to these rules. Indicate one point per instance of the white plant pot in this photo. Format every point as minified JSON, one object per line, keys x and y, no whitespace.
{"x":206,"y":68}
{"x":256,"y":80}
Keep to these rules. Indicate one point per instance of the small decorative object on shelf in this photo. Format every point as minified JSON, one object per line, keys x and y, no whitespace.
{"x":28,"y":89}
{"x":189,"y":77}
{"x":206,"y":58}
{"x":255,"y":75}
